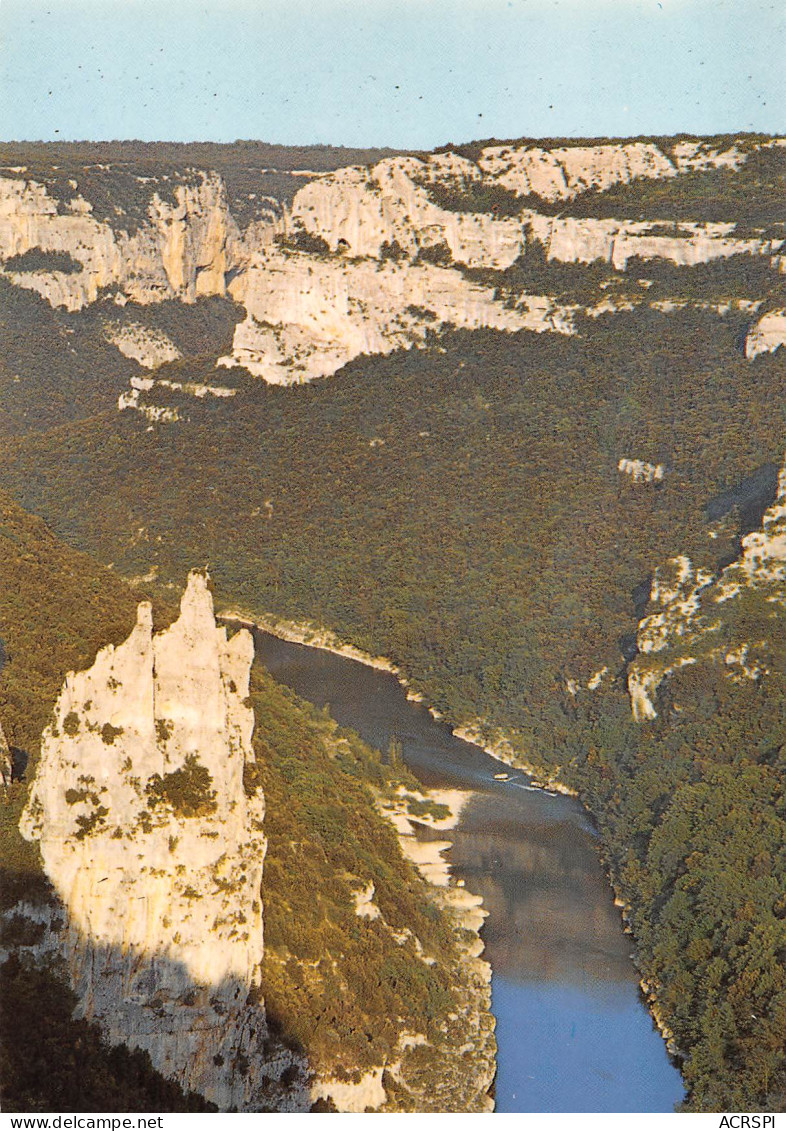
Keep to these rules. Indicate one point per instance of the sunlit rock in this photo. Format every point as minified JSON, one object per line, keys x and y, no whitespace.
{"x":767,"y":335}
{"x":149,"y":820}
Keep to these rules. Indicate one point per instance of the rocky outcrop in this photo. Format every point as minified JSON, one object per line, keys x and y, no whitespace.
{"x":767,"y":335}
{"x":571,"y":240}
{"x":184,"y":250}
{"x":134,"y":396}
{"x":309,"y":315}
{"x":698,"y":156}
{"x":694,"y":622}
{"x":148,"y":812}
{"x":366,"y":261}
{"x":640,"y":471}
{"x":150,"y":827}
{"x":369,"y":211}
{"x":366,"y":211}
{"x":565,"y":172}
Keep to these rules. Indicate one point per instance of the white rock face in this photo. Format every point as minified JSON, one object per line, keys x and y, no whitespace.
{"x":308,"y":316}
{"x":308,"y":313}
{"x":763,"y":551}
{"x":365,"y":907}
{"x":696,"y":156}
{"x":6,"y":765}
{"x":641,"y":472}
{"x":156,"y":849}
{"x":150,"y":348}
{"x":184,"y":250}
{"x":689,"y":623}
{"x":585,"y":240}
{"x":594,"y":682}
{"x":559,"y":174}
{"x":367,"y":1093}
{"x":361,"y":210}
{"x":768,"y":335}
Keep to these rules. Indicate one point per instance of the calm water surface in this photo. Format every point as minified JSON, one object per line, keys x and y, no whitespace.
{"x":572,"y":1032}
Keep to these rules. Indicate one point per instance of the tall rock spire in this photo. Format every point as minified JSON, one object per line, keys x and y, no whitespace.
{"x":155,"y":848}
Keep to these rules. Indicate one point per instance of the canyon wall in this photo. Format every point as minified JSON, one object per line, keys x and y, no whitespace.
{"x":307,"y":315}
{"x":6,"y":762}
{"x":368,"y":259}
{"x":368,"y":211}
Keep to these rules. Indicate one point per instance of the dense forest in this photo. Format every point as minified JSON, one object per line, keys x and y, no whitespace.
{"x":460,"y":510}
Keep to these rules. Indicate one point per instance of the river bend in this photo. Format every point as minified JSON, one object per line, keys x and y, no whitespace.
{"x":573,"y":1033}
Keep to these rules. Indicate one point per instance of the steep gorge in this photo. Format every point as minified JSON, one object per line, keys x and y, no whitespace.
{"x":480,"y":511}
{"x":366,"y":259}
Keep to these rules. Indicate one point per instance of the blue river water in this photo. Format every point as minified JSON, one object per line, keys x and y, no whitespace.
{"x":573,"y":1034}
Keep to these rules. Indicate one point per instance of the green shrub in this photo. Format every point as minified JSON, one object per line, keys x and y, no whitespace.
{"x":71,"y":724}
{"x":186,"y":790}
{"x":37,"y":260}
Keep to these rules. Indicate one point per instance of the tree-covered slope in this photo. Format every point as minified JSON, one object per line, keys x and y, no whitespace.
{"x":461,"y":510}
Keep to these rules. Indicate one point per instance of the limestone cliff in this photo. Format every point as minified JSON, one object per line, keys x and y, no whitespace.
{"x":308,"y":315}
{"x":696,"y":612}
{"x":185,"y":249}
{"x":366,"y":210}
{"x":368,"y":259}
{"x":155,"y":848}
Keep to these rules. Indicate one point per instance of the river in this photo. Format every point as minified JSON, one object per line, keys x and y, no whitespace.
{"x":572,"y":1031}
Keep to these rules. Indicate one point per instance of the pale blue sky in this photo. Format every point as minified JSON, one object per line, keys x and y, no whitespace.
{"x":406,"y":73}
